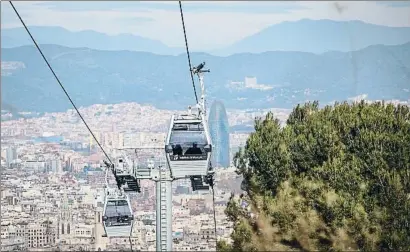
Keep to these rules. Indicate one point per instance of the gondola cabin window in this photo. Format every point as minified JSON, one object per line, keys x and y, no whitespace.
{"x":117,"y":213}
{"x":188,"y":140}
{"x":120,"y":166}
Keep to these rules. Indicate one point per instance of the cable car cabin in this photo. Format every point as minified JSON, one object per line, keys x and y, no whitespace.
{"x":118,"y":218}
{"x":188,"y":147}
{"x":124,"y":172}
{"x":123,"y":167}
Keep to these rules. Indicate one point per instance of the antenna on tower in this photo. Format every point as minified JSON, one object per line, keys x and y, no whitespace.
{"x":200,"y":73}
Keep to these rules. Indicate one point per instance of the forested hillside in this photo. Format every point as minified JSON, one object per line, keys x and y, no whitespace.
{"x":333,"y":179}
{"x":287,"y":78}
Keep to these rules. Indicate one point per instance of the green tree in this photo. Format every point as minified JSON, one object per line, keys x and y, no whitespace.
{"x":336,"y":178}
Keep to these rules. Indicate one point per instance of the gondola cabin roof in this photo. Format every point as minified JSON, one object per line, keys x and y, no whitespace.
{"x":187,"y":121}
{"x":187,"y":117}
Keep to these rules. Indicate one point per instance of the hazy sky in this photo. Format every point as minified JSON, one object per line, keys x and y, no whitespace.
{"x":209,"y":24}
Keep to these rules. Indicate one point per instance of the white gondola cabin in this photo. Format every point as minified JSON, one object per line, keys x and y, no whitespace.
{"x":125,"y":174}
{"x":122,"y":167}
{"x":188,"y":146}
{"x":118,"y":218}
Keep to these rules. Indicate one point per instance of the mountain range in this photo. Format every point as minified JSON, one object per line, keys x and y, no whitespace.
{"x":283,"y":78}
{"x":319,"y":36}
{"x":316,"y":36}
{"x":16,"y":37}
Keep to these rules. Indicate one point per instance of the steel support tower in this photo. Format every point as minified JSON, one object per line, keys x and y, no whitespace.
{"x":154,"y":167}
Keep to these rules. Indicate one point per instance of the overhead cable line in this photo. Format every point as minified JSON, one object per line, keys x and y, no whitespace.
{"x":130,"y":240}
{"x":212,"y":184}
{"x":196,"y":98}
{"x":187,"y":50}
{"x":58,"y":80}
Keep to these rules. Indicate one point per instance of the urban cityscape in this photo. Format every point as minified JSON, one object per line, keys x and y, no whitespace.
{"x":53,"y":179}
{"x":283,"y":126}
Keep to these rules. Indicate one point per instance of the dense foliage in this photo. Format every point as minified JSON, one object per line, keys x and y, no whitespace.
{"x":336,"y":178}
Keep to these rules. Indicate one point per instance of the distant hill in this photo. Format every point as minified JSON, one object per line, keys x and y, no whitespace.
{"x":283,"y":78}
{"x":318,"y":36}
{"x":16,"y":37}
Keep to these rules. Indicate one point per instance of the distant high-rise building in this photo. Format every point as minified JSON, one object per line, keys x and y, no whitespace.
{"x":250,"y":81}
{"x":11,"y":155}
{"x":56,"y":166}
{"x":219,"y":130}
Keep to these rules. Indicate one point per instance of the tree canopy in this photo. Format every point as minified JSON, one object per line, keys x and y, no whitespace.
{"x":332,"y":179}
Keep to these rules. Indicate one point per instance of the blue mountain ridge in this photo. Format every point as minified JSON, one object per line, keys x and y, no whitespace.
{"x":319,"y":36}
{"x":105,"y":77}
{"x":16,"y":37}
{"x":316,"y":36}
